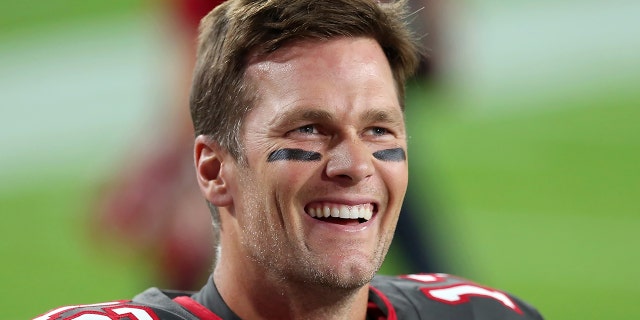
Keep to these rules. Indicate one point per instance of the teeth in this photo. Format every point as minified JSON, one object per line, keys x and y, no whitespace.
{"x":344,"y":213}
{"x":354,"y":213}
{"x":367,"y":214}
{"x":364,"y":211}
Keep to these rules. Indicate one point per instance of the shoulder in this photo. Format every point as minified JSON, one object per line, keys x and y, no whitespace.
{"x":152,"y":304}
{"x":443,"y":296}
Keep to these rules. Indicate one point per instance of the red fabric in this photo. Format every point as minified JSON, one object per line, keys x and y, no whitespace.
{"x":374,"y":312}
{"x":391,"y":312}
{"x":197,"y":309}
{"x":192,"y":11}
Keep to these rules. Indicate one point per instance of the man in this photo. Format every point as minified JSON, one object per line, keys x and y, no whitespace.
{"x":300,"y":152}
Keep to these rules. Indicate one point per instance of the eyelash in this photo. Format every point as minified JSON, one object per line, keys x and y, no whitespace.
{"x":379,"y":131}
{"x":312,"y":129}
{"x":305,"y":129}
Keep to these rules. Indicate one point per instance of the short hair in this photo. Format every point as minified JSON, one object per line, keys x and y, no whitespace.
{"x":238,"y":30}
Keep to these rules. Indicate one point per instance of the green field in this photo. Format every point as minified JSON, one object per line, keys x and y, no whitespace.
{"x":536,"y":194}
{"x":542,"y":205}
{"x":20,"y":17}
{"x":539,"y":202}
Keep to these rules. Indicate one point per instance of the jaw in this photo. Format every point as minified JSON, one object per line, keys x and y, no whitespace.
{"x":348,"y":251}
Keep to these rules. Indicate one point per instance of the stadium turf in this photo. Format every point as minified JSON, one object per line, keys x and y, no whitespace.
{"x":541,"y":205}
{"x":539,"y":202}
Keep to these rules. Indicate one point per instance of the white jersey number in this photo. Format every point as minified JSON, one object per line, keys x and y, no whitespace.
{"x":110,"y":311}
{"x":460,"y":292}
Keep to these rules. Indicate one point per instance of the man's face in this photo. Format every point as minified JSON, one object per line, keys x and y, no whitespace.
{"x":326,"y":137}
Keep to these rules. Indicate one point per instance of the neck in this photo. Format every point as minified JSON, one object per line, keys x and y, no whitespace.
{"x":254,"y":293}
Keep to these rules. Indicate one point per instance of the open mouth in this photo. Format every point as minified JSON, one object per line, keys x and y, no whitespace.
{"x":341,"y":214}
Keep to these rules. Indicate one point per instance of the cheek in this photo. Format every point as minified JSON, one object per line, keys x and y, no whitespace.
{"x":283,"y":178}
{"x":249,"y":187}
{"x":291,"y":175}
{"x":396,"y":176}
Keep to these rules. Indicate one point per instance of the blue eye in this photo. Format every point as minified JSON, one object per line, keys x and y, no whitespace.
{"x":308,"y":129}
{"x":377,"y":131}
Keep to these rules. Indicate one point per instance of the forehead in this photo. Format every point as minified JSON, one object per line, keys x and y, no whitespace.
{"x":340,"y":74}
{"x":320,"y":51}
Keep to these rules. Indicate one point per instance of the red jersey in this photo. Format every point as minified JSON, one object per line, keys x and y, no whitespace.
{"x":410,"y":297}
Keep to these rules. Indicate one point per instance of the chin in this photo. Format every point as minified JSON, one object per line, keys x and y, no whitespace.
{"x":347,"y":275}
{"x":343,"y":281}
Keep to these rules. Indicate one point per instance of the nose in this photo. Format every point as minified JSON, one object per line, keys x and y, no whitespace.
{"x":350,"y":160}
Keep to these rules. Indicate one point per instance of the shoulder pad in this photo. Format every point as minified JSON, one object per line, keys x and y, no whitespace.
{"x":152,"y":304}
{"x":103,"y":311}
{"x":442,"y":296}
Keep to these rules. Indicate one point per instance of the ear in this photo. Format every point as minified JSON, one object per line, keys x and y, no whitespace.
{"x":210,"y":158}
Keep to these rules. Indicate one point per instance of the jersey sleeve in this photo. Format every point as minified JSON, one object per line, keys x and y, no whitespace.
{"x":442,"y":296}
{"x":103,"y":311}
{"x":152,"y":304}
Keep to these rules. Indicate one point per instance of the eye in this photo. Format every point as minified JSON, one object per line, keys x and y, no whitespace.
{"x":378,"y":131}
{"x":304,"y":131}
{"x":308,"y":129}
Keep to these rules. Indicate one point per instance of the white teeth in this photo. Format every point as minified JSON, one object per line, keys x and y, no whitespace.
{"x":367,"y":214}
{"x":363,"y":211}
{"x":354,"y":213}
{"x":344,"y":212}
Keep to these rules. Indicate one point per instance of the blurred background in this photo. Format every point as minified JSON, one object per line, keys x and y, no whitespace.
{"x":524,"y":148}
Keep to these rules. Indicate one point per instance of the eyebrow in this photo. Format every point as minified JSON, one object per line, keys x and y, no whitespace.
{"x":320,"y":115}
{"x":313,"y":115}
{"x":377,"y":115}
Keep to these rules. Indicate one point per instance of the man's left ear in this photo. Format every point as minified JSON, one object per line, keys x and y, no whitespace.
{"x":209,"y":161}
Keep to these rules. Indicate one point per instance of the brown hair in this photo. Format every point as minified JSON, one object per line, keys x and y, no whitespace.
{"x":239,"y":29}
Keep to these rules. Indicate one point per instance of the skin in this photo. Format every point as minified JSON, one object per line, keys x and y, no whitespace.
{"x":336,"y":98}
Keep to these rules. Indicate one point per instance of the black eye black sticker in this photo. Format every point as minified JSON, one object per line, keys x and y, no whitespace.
{"x":294,"y":155}
{"x":395,"y":154}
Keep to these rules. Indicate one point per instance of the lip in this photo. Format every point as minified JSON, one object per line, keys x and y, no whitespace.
{"x":347,"y":201}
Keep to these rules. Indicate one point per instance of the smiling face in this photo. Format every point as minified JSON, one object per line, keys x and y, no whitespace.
{"x":319,"y":196}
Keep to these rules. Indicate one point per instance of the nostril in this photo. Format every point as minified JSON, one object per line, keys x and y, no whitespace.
{"x":350,"y":166}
